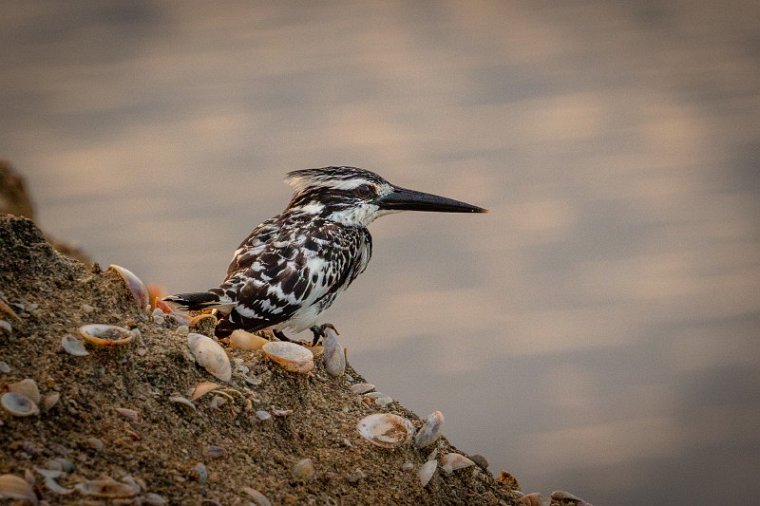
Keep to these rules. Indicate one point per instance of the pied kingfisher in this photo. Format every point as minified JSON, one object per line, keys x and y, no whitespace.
{"x":291,"y":267}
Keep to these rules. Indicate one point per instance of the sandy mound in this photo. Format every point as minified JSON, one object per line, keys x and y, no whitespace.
{"x":168,"y":451}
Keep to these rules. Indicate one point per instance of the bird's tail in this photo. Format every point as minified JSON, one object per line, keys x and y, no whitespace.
{"x":196,"y":301}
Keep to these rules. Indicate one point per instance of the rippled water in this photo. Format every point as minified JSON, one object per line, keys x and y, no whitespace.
{"x":597,"y":331}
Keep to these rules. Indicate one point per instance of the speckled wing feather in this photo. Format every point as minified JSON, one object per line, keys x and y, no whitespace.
{"x":286,"y":271}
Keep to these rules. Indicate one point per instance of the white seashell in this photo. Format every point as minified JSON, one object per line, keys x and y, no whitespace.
{"x":303,"y":470}
{"x":73,"y":346}
{"x":13,"y":487}
{"x":243,"y":340}
{"x":135,"y":285}
{"x":334,"y":356}
{"x":217,"y":402}
{"x":154,"y":499}
{"x":200,"y":472}
{"x":4,"y":367}
{"x":407,"y":466}
{"x":430,"y":431}
{"x":19,"y":404}
{"x":50,"y":400}
{"x":181,"y":400}
{"x":291,"y":356}
{"x":105,"y":335}
{"x":427,"y":471}
{"x":453,"y":461}
{"x":6,"y":328}
{"x":385,"y":429}
{"x":362,"y":388}
{"x":257,"y":497}
{"x":383,"y":401}
{"x":28,"y":388}
{"x":54,"y":487}
{"x":210,"y":355}
{"x":263,"y":415}
{"x":107,"y":487}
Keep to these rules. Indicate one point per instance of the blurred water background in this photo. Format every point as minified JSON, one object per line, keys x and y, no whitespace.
{"x":597,"y":331}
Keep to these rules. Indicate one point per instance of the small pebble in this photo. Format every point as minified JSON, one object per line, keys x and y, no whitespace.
{"x":303,"y":470}
{"x":257,"y":497}
{"x":183,"y":330}
{"x":407,"y":466}
{"x":200,"y":472}
{"x":263,"y":415}
{"x":480,"y":460}
{"x":4,"y":367}
{"x":87,"y":308}
{"x":362,"y":388}
{"x":356,"y":477}
{"x":383,"y":401}
{"x":154,"y":499}
{"x":215,"y":452}
{"x":95,"y":443}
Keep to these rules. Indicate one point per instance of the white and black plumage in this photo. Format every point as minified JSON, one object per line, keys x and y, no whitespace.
{"x":293,"y":266}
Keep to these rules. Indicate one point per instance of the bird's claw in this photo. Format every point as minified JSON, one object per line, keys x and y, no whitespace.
{"x":320,"y":331}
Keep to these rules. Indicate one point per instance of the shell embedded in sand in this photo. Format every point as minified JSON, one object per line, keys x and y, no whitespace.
{"x":210,"y":355}
{"x":100,"y":334}
{"x":13,"y":487}
{"x":19,"y":404}
{"x":108,"y":487}
{"x":28,"y":388}
{"x":453,"y":461}
{"x":243,"y":340}
{"x":73,"y":346}
{"x":203,"y":388}
{"x":427,"y":471}
{"x":135,"y":285}
{"x":430,"y":430}
{"x":385,"y":429}
{"x":290,"y":356}
{"x":334,"y":357}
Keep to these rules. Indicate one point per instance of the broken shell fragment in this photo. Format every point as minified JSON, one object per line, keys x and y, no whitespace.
{"x":427,"y":471}
{"x":453,"y":461}
{"x":385,"y":429}
{"x":135,"y":285}
{"x":13,"y":487}
{"x":210,"y":355}
{"x":215,"y":452}
{"x":18,"y":404}
{"x":203,"y":388}
{"x":73,"y":346}
{"x":257,"y":497}
{"x":181,"y":400}
{"x":243,"y":340}
{"x":362,"y":388}
{"x":291,"y":356}
{"x":105,"y":335}
{"x":107,"y":487}
{"x":334,"y":356}
{"x":6,"y":328}
{"x":28,"y":388}
{"x":50,"y":400}
{"x":303,"y":470}
{"x":430,"y":431}
{"x":130,"y":414}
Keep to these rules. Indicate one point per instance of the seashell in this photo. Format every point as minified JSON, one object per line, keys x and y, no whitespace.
{"x":533,"y":499}
{"x":100,"y":334}
{"x":217,"y":402}
{"x":243,"y":340}
{"x":158,"y":316}
{"x":28,"y":388}
{"x":6,"y":328}
{"x":203,"y":320}
{"x":107,"y":487}
{"x":433,"y":455}
{"x":183,"y":401}
{"x":49,"y":473}
{"x":56,"y":488}
{"x":154,"y":499}
{"x":210,"y":355}
{"x":263,"y":415}
{"x":303,"y":470}
{"x":427,"y":471}
{"x":335,"y":357}
{"x":13,"y":487}
{"x":203,"y":388}
{"x":95,"y":443}
{"x":385,"y":429}
{"x":257,"y":497}
{"x":199,"y":472}
{"x":291,"y":356}
{"x":131,"y":414}
{"x":430,"y":430}
{"x":183,"y":330}
{"x":73,"y":346}
{"x":61,"y":464}
{"x":215,"y":452}
{"x":383,"y":400}
{"x":19,"y":404}
{"x":566,"y":497}
{"x":407,"y":466}
{"x":135,"y":285}
{"x":453,"y":461}
{"x":362,"y":388}
{"x":282,"y":412}
{"x":4,"y":367}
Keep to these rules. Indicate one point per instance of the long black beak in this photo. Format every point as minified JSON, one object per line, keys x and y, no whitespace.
{"x":402,"y":199}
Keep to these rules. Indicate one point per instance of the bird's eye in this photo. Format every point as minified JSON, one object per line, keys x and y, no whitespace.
{"x":365,"y":191}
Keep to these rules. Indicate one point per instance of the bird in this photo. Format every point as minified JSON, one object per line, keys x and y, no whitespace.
{"x":291,"y":267}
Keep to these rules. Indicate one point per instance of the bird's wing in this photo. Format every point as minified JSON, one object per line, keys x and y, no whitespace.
{"x":279,"y":270}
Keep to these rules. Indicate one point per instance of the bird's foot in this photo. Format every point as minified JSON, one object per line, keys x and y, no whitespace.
{"x":320,"y":331}
{"x":279,"y":334}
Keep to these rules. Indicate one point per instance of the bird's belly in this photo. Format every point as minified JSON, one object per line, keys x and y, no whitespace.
{"x":303,"y":319}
